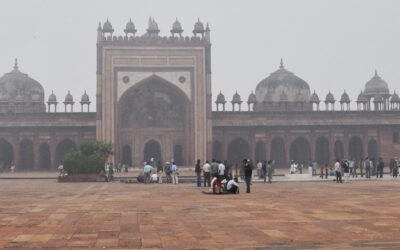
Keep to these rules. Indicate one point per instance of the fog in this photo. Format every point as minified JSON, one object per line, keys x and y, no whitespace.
{"x":332,"y":45}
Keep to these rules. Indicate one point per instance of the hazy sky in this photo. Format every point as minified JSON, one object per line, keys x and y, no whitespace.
{"x":332,"y":45}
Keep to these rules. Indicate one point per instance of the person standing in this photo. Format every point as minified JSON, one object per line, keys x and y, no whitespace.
{"x":380,"y":166}
{"x":214,"y":169}
{"x":197,"y":169}
{"x":391,"y":165}
{"x":167,"y":171}
{"x":175,"y":173}
{"x":248,"y":171}
{"x":206,"y":173}
{"x":395,"y":170}
{"x":326,"y":170}
{"x":221,"y":171}
{"x":338,"y":171}
{"x":264,"y":171}
{"x":362,"y":167}
{"x":367,"y":168}
{"x":269,"y":171}
{"x":147,"y":171}
{"x":160,"y":171}
{"x":346,"y":171}
{"x":259,"y":167}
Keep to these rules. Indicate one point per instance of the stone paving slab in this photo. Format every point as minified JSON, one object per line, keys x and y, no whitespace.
{"x":325,"y":215}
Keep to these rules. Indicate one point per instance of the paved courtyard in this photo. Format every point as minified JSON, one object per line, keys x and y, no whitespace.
{"x":43,"y":213}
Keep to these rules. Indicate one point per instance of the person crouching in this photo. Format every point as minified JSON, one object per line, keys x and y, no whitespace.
{"x":233,"y":186}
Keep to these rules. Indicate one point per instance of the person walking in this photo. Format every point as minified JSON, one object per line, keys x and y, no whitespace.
{"x":264,"y":171}
{"x":160,"y":171}
{"x":147,"y":171}
{"x":175,"y":173}
{"x":367,"y":164}
{"x":362,"y":167}
{"x":395,"y":170}
{"x":338,"y":171}
{"x":259,"y":167}
{"x":346,"y":171}
{"x":326,"y":170}
{"x":206,"y":173}
{"x":214,"y":169}
{"x":270,"y":171}
{"x":380,"y":167}
{"x":248,"y":171}
{"x":197,"y":169}
{"x":168,"y":172}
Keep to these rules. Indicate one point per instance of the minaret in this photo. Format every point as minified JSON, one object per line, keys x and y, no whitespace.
{"x":208,"y":33}
{"x":99,"y":33}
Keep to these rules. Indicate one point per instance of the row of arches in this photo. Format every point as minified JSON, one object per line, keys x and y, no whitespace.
{"x":299,"y":150}
{"x":26,"y":155}
{"x":152,"y":149}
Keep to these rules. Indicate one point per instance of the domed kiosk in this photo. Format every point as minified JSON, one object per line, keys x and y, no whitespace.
{"x":269,"y":91}
{"x":20,"y":93}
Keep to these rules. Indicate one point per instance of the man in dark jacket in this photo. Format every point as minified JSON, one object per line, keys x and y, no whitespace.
{"x":248,"y":170}
{"x":380,"y":168}
{"x":197,"y":169}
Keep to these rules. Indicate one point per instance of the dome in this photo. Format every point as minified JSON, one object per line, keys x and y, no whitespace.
{"x":345,"y":98}
{"x":220,"y":98}
{"x":198,"y":27}
{"x":176,"y":27}
{"x":130,"y":28}
{"x":314,"y":98}
{"x":268,"y":97}
{"x":107,"y":27}
{"x":378,"y":98}
{"x":395,"y":97}
{"x":376,"y":86}
{"x":236,"y":98}
{"x":152,"y":30}
{"x":17,"y":86}
{"x":361,"y":98}
{"x":283,"y":97}
{"x":299,"y":97}
{"x":52,"y":97}
{"x":282,"y":80}
{"x":329,"y":98}
{"x":35,"y":98}
{"x":69,"y":98}
{"x":252,"y":98}
{"x":85,"y":98}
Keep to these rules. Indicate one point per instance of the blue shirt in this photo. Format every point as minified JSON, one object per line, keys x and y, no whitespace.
{"x":174,"y":168}
{"x":147,"y":169}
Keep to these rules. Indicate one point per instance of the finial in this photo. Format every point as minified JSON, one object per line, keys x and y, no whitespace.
{"x":198,"y":19}
{"x":376,"y":72}
{"x":16,"y":64}
{"x":99,"y":27}
{"x":281,"y":64}
{"x":207,"y":27}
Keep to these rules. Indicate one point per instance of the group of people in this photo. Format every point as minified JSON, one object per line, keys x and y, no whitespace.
{"x":154,"y":174}
{"x":7,"y":167}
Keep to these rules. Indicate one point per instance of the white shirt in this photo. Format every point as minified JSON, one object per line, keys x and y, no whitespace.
{"x":221,"y":169}
{"x":154,"y":177}
{"x":206,"y":167}
{"x":230,"y":183}
{"x":337,"y":167}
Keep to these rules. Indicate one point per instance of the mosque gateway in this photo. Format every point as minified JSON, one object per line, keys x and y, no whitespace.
{"x":154,"y":100}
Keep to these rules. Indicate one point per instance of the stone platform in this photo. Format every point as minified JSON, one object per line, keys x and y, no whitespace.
{"x":46,"y":214}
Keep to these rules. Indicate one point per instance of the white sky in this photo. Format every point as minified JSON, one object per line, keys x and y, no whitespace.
{"x":332,"y":45}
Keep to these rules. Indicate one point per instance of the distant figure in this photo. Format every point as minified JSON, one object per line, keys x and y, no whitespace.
{"x":264,"y":171}
{"x":326,"y":170}
{"x":12,"y":168}
{"x":338,"y":172}
{"x":174,"y":170}
{"x":221,"y":171}
{"x":168,"y":172}
{"x":270,"y":171}
{"x":367,"y":164}
{"x":206,"y":173}
{"x":232,"y":186}
{"x":346,"y":171}
{"x":147,"y":171}
{"x":395,"y":170}
{"x":197,"y":169}
{"x":214,"y":168}
{"x":154,"y":178}
{"x":60,"y":169}
{"x":380,"y":167}
{"x":259,"y":167}
{"x":248,"y":169}
{"x":160,"y":171}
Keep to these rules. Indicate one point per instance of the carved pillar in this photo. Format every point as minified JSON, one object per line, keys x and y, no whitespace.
{"x":36,"y":153}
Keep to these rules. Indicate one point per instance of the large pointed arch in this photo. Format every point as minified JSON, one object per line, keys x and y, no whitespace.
{"x":300,"y":151}
{"x":238,"y":149}
{"x":278,"y":152}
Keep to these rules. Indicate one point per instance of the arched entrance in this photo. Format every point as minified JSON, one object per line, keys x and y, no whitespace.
{"x":178,"y":155}
{"x":300,"y":151}
{"x":152,"y":149}
{"x":278,"y":153}
{"x":261,"y":151}
{"x":238,"y":150}
{"x":217,"y":151}
{"x":6,"y":154}
{"x":63,"y":148}
{"x":322,"y":151}
{"x":127,"y":155}
{"x":356,"y":148}
{"x":44,"y":156}
{"x":157,"y":109}
{"x":373,"y":149}
{"x":26,"y":155}
{"x":339,"y":150}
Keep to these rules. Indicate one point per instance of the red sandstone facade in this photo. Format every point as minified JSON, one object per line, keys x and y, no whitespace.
{"x":153,"y":100}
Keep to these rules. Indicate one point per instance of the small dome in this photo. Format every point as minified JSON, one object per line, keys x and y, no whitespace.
{"x":85,"y":98}
{"x":107,"y":27}
{"x":268,"y":97}
{"x":361,"y":97}
{"x":314,"y":98}
{"x":378,"y":98}
{"x":3,"y":97}
{"x":152,"y":30}
{"x":35,"y":98}
{"x":395,"y":97}
{"x":252,"y":98}
{"x":236,"y":98}
{"x":52,"y":97}
{"x":198,"y":27}
{"x":345,"y":98}
{"x":283,"y":97}
{"x":19,"y":98}
{"x":329,"y":98}
{"x":220,"y":98}
{"x":69,"y":98}
{"x":376,"y":86}
{"x":299,"y":97}
{"x":176,"y":27}
{"x":130,"y":28}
